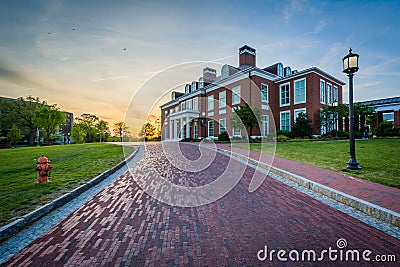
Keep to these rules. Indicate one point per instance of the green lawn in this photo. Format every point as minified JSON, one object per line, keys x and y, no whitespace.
{"x":378,"y":158}
{"x":73,"y":165}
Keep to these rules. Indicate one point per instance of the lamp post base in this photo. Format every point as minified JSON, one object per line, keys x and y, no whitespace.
{"x":352,"y":164}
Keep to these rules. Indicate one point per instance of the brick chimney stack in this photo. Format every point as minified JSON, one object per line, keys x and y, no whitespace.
{"x":247,"y":56}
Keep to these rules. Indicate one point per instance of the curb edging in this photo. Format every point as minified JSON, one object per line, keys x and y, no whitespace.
{"x":373,"y":210}
{"x":19,"y":224}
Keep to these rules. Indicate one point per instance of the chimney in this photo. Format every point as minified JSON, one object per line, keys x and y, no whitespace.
{"x":209,"y":73}
{"x":247,"y":56}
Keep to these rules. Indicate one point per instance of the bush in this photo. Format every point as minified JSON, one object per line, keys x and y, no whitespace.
{"x":358,"y":135}
{"x":223,"y":137}
{"x":282,"y":138}
{"x":285,"y":133}
{"x":343,"y":134}
{"x":302,"y":126}
{"x":385,"y":128}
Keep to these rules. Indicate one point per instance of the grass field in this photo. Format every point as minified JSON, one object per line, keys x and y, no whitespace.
{"x":73,"y":165}
{"x":379,"y":159}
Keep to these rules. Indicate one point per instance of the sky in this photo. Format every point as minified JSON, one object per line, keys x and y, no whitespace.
{"x":94,"y":56}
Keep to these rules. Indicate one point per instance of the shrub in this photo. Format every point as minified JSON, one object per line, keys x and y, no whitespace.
{"x":385,"y":128}
{"x":282,"y":138}
{"x":281,"y":132}
{"x":224,"y":137}
{"x":302,"y":126}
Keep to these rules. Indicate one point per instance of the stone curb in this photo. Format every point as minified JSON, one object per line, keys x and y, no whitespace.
{"x":19,"y":224}
{"x":368,"y":208}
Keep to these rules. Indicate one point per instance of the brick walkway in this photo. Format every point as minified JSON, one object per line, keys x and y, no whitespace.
{"x":123,"y":226}
{"x":381,"y":195}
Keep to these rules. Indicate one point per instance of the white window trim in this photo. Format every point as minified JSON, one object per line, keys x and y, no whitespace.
{"x":331,"y":94}
{"x":263,"y":130}
{"x":280,"y":119}
{"x":299,"y":110}
{"x":196,"y":100}
{"x":262,"y":100}
{"x":210,"y":107}
{"x":236,"y":135}
{"x":208,"y":128}
{"x":219,"y":125}
{"x":305,"y":91}
{"x":322,"y":102}
{"x":220,"y":103}
{"x":238,"y":94}
{"x":280,"y":94}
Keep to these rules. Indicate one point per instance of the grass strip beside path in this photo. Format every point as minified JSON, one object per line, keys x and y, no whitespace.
{"x":73,"y":165}
{"x":379,"y":158}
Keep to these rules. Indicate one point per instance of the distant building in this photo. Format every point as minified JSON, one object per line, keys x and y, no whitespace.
{"x":64,"y":129}
{"x":205,"y":107}
{"x":386,"y":109}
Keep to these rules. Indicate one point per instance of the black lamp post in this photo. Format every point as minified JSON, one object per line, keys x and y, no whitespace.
{"x":350,"y":66}
{"x":335,"y":120}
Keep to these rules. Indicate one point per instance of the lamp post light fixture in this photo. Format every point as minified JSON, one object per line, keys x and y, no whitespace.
{"x":350,"y":66}
{"x":335,"y":120}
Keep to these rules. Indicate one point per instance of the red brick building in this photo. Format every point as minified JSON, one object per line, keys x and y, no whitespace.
{"x":204,"y":109}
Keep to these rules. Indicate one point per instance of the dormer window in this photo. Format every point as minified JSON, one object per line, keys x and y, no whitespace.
{"x":194,"y":86}
{"x":224,"y":71}
{"x":280,"y":69}
{"x":187,"y":88}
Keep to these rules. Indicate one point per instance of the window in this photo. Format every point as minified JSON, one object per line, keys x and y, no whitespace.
{"x":210,"y":102}
{"x":236,"y":95}
{"x":189,"y":104}
{"x":285,"y":120}
{"x":285,"y":94}
{"x":210,"y":128}
{"x":222,"y":99}
{"x":280,"y":69}
{"x":264,"y":120}
{"x":196,"y":129}
{"x":335,"y":94}
{"x":322,"y":91}
{"x":183,"y":106}
{"x":222,"y":126}
{"x":297,"y":112}
{"x":329,"y":94}
{"x":300,"y":91}
{"x":264,"y":92}
{"x":195,"y":103}
{"x":236,"y":132}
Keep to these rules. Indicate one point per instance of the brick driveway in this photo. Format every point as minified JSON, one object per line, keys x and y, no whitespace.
{"x":123,"y":226}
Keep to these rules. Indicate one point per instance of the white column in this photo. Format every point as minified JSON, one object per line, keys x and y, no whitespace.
{"x":181,"y":128}
{"x":176,"y":130}
{"x":170,"y":129}
{"x":187,"y":127}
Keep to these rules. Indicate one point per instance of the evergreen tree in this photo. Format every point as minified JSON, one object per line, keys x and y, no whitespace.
{"x":302,"y":126}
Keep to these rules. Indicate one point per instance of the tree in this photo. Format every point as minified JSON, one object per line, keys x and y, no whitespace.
{"x":21,"y":112}
{"x":148,"y":130}
{"x":120,"y":129}
{"x":78,"y":133}
{"x":246,"y":116}
{"x":302,"y":126}
{"x":49,"y":119}
{"x":88,"y":125}
{"x":15,"y":134}
{"x":102,"y":129}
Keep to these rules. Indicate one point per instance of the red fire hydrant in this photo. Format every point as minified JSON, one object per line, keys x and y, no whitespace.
{"x":43,"y":167}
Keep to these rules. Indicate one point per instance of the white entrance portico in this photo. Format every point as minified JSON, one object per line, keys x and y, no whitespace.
{"x":179,"y":124}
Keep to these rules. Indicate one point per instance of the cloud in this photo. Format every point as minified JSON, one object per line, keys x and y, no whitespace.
{"x":110,"y":78}
{"x":294,"y":7}
{"x":320,"y":26}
